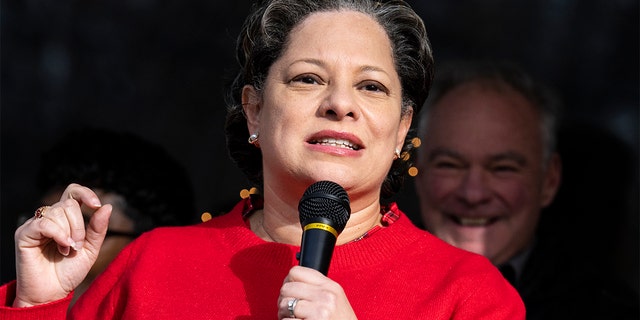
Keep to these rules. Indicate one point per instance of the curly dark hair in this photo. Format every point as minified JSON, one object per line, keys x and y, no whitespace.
{"x":156,"y":188}
{"x":264,"y":37}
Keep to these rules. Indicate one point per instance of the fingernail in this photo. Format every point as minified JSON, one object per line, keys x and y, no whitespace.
{"x":72,"y":243}
{"x":78,"y":245}
{"x":96,"y":202}
{"x":64,"y":250}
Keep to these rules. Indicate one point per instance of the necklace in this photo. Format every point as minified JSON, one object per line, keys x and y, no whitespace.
{"x":259,"y":228}
{"x":254,"y":203}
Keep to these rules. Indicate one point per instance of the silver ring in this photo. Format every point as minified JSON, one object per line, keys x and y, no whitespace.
{"x":292,"y":305}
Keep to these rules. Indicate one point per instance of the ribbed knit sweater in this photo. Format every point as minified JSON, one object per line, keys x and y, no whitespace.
{"x":221,"y":270}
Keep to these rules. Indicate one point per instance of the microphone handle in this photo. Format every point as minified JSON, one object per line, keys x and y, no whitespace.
{"x":316,"y":249}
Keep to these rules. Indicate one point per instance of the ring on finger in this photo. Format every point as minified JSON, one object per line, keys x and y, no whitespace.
{"x":291,"y":305}
{"x":39,"y":214}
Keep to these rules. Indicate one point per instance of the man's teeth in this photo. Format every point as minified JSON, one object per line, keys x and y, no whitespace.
{"x":337,"y":143}
{"x":473,"y":222}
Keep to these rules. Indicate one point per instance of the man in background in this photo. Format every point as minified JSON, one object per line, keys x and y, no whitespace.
{"x":488,"y":167}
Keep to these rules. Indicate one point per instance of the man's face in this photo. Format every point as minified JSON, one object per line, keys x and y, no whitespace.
{"x":482,"y":181}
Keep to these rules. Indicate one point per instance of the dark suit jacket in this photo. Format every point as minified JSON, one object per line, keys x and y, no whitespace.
{"x":556,"y":283}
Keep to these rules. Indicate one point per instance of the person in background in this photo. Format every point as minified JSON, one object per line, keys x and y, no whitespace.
{"x":487,"y":168}
{"x":327,"y":91}
{"x":146,"y":186}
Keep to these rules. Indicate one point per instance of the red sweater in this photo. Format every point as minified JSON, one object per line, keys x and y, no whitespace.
{"x":221,"y":270}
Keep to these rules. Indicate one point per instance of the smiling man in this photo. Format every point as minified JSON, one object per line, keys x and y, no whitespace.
{"x":487,"y":167}
{"x":488,"y":163}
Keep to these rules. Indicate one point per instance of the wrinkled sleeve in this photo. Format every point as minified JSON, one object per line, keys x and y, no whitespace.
{"x":50,"y":311}
{"x":106,"y":297}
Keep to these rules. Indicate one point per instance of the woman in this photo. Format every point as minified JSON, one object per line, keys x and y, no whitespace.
{"x":327,"y":91}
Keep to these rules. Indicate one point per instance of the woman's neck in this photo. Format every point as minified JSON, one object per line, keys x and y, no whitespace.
{"x":279,"y":222}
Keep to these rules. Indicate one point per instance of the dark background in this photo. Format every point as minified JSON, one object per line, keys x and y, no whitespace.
{"x":158,"y":69}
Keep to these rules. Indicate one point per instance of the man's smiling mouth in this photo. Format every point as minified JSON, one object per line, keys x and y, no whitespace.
{"x":473,"y":221}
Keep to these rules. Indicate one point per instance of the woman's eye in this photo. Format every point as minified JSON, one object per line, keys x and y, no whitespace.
{"x":374,"y":87}
{"x":306,"y":79}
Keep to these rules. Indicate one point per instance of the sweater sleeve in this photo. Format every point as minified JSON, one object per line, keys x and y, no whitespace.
{"x":50,"y":311}
{"x":103,"y":299}
{"x":491,"y":296}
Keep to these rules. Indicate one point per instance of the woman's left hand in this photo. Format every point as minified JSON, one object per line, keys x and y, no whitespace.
{"x":318,"y":297}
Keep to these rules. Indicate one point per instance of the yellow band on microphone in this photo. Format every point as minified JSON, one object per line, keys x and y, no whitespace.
{"x":321,"y":226}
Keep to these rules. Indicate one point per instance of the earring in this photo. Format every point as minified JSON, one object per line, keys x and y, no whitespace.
{"x":396,"y":154}
{"x":253,"y":139}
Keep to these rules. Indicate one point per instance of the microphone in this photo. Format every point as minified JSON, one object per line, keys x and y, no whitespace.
{"x":324,"y":210}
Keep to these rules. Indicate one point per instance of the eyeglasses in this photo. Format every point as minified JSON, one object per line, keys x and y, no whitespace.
{"x":22,"y":218}
{"x":111,"y":233}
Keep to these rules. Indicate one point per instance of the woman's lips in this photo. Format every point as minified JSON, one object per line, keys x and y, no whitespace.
{"x":338,"y":139}
{"x":341,"y":143}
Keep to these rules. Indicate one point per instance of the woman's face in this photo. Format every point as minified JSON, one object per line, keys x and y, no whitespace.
{"x":331,"y":106}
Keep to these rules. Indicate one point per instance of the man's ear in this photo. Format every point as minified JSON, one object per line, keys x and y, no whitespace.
{"x":251,"y":106}
{"x":552,"y":179}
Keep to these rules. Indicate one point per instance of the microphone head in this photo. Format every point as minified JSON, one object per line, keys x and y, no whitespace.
{"x":325,"y":200}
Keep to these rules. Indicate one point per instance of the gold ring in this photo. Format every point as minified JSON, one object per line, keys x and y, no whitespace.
{"x":40,"y":212}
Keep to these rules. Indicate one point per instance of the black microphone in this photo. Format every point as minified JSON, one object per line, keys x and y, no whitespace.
{"x":324,"y":210}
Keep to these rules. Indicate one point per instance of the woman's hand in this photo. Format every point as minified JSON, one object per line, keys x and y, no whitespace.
{"x":54,"y":252}
{"x":318,"y":297}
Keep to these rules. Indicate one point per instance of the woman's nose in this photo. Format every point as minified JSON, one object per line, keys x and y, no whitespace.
{"x":340,"y":102}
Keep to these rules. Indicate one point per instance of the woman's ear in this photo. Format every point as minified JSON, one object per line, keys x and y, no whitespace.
{"x":405,"y":125}
{"x":251,"y":107}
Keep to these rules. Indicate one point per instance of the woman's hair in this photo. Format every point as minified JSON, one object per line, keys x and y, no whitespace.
{"x":264,"y":37}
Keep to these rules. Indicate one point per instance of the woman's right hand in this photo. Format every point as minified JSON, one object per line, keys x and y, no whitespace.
{"x":55,"y":252}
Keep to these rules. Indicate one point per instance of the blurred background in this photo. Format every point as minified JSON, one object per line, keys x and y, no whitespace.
{"x":159,"y":69}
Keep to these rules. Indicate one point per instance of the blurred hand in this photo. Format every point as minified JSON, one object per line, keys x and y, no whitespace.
{"x":54,"y":253}
{"x":318,"y":296}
